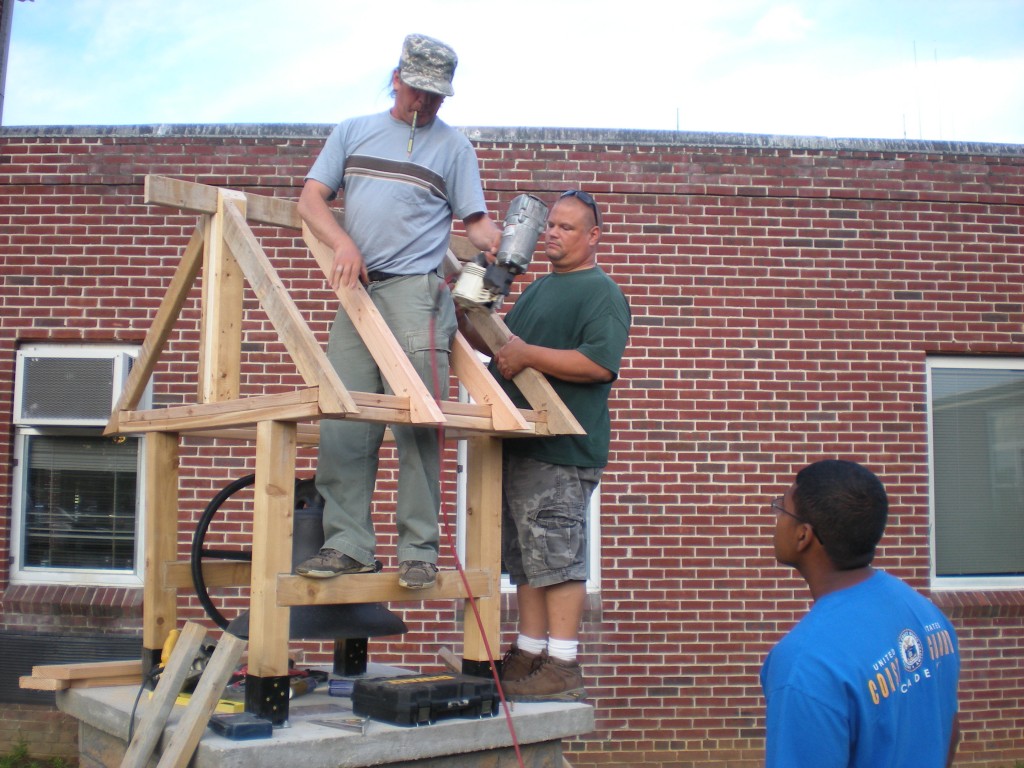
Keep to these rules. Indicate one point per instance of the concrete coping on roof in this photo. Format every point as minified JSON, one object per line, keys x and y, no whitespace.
{"x":530,"y":135}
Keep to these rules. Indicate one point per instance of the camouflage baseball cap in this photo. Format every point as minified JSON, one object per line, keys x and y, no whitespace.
{"x":427,"y":64}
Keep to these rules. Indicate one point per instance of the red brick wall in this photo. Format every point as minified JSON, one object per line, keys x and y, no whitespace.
{"x":785,"y":295}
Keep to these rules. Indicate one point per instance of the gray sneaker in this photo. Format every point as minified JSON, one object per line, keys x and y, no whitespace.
{"x":416,"y":574}
{"x":330,"y":562}
{"x":553,"y":680}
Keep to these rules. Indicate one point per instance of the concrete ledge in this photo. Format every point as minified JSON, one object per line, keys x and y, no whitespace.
{"x":535,"y":135}
{"x":103,"y":716}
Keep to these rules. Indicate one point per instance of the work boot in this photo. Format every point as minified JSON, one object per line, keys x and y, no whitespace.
{"x":518,"y":664}
{"x":552,"y":680}
{"x":330,"y":562}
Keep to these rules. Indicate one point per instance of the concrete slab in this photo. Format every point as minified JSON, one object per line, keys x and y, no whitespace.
{"x":320,"y":733}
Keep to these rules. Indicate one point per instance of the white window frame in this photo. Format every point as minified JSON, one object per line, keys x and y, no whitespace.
{"x":21,"y":574}
{"x":960,"y":583}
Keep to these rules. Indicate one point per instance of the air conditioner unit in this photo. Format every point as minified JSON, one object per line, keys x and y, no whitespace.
{"x":69,"y":385}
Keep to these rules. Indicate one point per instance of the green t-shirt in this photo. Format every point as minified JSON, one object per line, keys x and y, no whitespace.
{"x":585,"y":311}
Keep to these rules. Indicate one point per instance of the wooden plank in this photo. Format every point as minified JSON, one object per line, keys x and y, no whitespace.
{"x":216,"y":573}
{"x":220,"y":356}
{"x":463,"y":250}
{"x":377,"y":588}
{"x":534,"y":385}
{"x":202,"y":198}
{"x":305,"y":351}
{"x":273,"y":507}
{"x":483,"y":546}
{"x":307,"y":434}
{"x":88,"y":669}
{"x":32,"y":683}
{"x":227,"y":419}
{"x":159,"y":600}
{"x":483,"y":388}
{"x":394,"y":365}
{"x":284,"y":406}
{"x":203,"y":702}
{"x":163,"y":323}
{"x":154,"y":718}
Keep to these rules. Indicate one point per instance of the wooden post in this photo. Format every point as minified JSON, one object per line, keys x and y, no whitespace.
{"x":483,"y":550}
{"x":159,"y":606}
{"x":266,"y":687}
{"x":223,"y":284}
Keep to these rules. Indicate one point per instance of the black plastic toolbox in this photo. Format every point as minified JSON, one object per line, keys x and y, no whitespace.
{"x":422,"y":699}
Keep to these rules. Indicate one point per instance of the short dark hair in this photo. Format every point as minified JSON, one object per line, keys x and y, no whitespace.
{"x":848,"y":507}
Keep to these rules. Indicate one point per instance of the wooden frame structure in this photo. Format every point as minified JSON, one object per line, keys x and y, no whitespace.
{"x":229,"y":254}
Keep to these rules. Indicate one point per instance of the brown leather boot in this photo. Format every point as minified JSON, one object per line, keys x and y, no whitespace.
{"x":552,"y":680}
{"x":518,"y":664}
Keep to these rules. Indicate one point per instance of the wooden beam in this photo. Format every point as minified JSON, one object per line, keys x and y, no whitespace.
{"x":394,"y":364}
{"x":31,"y":683}
{"x":303,"y":404}
{"x":261,"y":209}
{"x":483,"y":546}
{"x":376,"y":587}
{"x":534,"y":385}
{"x":296,"y":590}
{"x":462,"y":249}
{"x":163,"y":323}
{"x":202,"y":198}
{"x":216,"y":573}
{"x":88,"y":669}
{"x":160,"y":539}
{"x":482,"y":387}
{"x":307,"y":354}
{"x":307,"y":434}
{"x":273,"y":508}
{"x":220,"y":356}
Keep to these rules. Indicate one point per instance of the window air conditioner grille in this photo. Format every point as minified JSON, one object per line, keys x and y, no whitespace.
{"x":67,"y":390}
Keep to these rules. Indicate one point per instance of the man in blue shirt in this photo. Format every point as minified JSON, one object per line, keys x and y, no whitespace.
{"x":868,"y":678}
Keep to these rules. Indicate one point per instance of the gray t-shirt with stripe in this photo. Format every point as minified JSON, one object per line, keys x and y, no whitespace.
{"x":399,"y":206}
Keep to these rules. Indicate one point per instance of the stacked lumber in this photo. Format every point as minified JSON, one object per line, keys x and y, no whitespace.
{"x":95,"y":674}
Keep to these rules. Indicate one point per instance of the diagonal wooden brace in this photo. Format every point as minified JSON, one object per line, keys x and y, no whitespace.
{"x":394,"y":364}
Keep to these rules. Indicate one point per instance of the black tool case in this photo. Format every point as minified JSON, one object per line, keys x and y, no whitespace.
{"x":422,"y":699}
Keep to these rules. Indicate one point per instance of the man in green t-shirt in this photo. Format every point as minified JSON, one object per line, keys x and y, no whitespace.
{"x":571,"y":325}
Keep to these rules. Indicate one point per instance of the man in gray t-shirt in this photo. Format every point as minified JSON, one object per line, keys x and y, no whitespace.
{"x":404,"y":174}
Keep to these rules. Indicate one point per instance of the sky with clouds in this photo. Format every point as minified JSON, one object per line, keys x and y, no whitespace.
{"x":949,"y":70}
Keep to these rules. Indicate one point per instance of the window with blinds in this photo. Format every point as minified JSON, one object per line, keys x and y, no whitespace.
{"x":976,"y":409}
{"x":76,"y":493}
{"x":80,"y":502}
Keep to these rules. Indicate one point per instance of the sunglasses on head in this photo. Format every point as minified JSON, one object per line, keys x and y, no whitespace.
{"x":584,"y":198}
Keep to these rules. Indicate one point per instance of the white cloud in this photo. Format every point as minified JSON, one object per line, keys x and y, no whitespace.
{"x":782,"y":24}
{"x":843,"y":68}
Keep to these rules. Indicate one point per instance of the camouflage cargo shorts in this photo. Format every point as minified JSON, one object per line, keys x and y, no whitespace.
{"x":544,"y":520}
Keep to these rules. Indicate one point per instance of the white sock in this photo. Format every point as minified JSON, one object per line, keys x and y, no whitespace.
{"x":563,"y":650}
{"x":531,"y":644}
